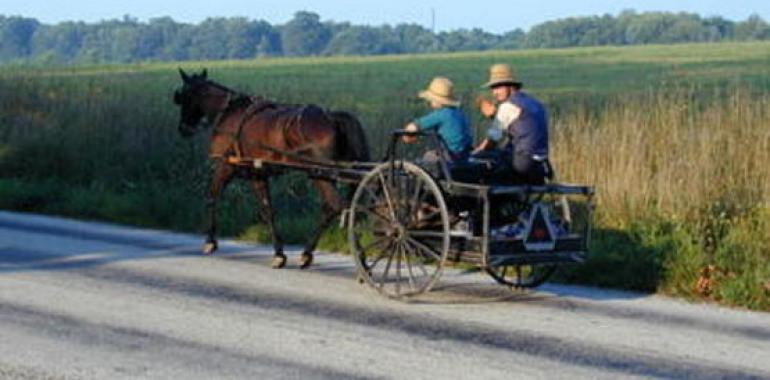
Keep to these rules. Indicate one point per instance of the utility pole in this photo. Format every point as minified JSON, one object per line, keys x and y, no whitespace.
{"x":433,"y":20}
{"x":433,"y":28}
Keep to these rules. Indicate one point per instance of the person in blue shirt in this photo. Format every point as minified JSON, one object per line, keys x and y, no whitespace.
{"x":447,"y":119}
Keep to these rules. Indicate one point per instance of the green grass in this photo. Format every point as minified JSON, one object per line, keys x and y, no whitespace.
{"x":673,"y":137}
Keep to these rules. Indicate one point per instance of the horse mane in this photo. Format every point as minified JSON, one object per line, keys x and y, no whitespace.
{"x":238,"y":102}
{"x":258,"y":103}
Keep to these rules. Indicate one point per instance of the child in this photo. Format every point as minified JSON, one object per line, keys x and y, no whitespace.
{"x":447,"y":119}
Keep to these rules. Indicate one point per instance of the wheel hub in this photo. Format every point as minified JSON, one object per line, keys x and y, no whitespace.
{"x":397,"y":231}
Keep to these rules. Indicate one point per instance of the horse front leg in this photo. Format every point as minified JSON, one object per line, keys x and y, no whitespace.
{"x":262,"y":191}
{"x":331,"y":207}
{"x":223,"y":173}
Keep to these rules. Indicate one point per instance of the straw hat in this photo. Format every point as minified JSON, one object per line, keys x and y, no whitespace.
{"x":500,"y":73}
{"x":440,"y":91}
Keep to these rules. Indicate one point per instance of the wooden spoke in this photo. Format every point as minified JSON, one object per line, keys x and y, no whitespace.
{"x":387,"y":269}
{"x":418,"y":255}
{"x":415,"y":199}
{"x":398,"y":268}
{"x":408,"y":266}
{"x":375,"y":243}
{"x":376,"y":215}
{"x":388,"y":198}
{"x":422,"y":247}
{"x":426,"y":234}
{"x":383,"y":253}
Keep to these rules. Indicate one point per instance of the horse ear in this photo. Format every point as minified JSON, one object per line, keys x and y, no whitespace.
{"x":204,"y":73}
{"x":184,"y":75}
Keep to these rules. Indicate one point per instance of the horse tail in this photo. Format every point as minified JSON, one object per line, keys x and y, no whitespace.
{"x":351,"y":141}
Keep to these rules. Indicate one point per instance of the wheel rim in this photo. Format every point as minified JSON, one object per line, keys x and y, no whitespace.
{"x":399,"y":230}
{"x":522,"y":276}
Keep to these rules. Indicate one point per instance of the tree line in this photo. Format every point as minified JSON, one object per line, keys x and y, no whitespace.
{"x":25,"y":40}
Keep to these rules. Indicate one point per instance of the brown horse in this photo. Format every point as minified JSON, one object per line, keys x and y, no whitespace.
{"x":254,"y":128}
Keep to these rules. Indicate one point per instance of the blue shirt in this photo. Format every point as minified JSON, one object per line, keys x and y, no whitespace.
{"x":452,"y":125}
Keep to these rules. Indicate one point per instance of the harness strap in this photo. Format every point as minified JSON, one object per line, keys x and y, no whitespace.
{"x":295,"y":123}
{"x":254,"y":108}
{"x":218,"y":118}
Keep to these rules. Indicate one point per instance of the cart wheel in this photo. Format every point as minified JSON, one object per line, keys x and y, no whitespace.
{"x":399,"y":229}
{"x":522,"y":276}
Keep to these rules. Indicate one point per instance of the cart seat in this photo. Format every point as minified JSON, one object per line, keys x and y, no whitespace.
{"x":472,"y":170}
{"x":488,"y":171}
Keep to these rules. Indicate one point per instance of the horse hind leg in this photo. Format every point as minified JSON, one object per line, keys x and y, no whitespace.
{"x":262,"y":191}
{"x":332,"y":206}
{"x":223,"y":173}
{"x":306,"y":259}
{"x":210,"y":246}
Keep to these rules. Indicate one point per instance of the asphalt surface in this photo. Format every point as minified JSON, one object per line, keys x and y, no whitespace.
{"x":96,"y":301}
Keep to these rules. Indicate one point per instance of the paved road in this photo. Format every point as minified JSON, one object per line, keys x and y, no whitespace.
{"x":95,"y":301}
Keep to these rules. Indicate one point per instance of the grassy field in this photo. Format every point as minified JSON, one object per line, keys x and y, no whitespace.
{"x":675,"y":138}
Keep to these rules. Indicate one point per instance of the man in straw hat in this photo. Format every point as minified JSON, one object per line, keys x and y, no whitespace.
{"x":519,"y":127}
{"x":447,"y":119}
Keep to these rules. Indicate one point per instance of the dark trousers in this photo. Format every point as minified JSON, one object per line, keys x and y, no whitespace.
{"x":528,"y":171}
{"x":515,"y":169}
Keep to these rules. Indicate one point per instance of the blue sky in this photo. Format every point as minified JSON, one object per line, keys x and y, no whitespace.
{"x":494,"y":16}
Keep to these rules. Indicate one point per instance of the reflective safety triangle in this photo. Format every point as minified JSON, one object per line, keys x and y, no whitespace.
{"x":539,"y":235}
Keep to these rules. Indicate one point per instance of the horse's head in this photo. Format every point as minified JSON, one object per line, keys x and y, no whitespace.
{"x":199,"y":100}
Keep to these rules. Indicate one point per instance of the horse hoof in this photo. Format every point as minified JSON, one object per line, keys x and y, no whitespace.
{"x":305,"y":260}
{"x":363,"y":276}
{"x":209,"y":248}
{"x":279,"y":261}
